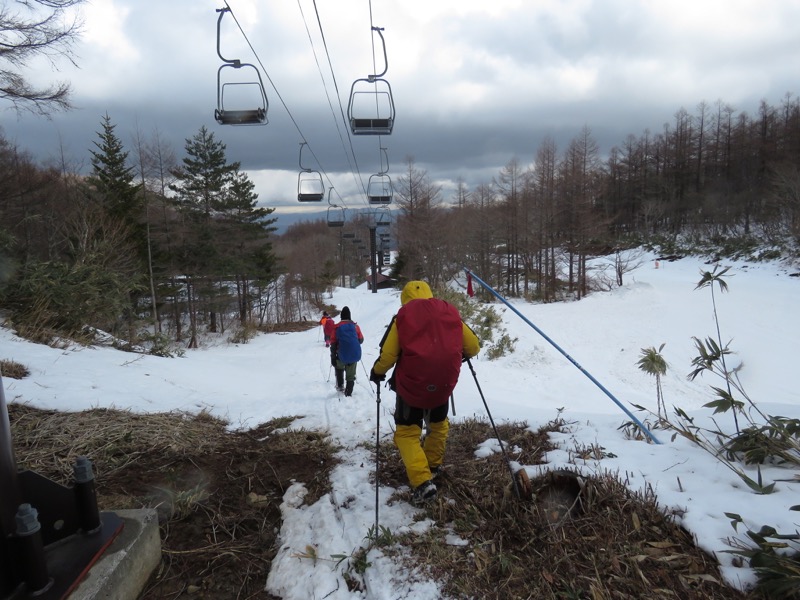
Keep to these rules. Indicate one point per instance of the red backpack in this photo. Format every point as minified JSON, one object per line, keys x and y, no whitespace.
{"x":431,"y":342}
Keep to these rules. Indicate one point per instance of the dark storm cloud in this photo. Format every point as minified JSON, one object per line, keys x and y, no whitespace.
{"x":476,"y":84}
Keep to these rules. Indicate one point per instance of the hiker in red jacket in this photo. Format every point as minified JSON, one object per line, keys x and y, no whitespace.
{"x":328,"y":325}
{"x":427,"y":341}
{"x":346,"y":341}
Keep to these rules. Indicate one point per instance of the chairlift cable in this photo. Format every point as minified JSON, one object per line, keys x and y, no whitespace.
{"x":356,"y":171}
{"x":372,"y":29}
{"x":274,"y":87}
{"x":357,"y":175}
{"x":321,"y":76}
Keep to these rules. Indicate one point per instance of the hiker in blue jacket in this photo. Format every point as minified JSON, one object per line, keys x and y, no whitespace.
{"x":346,"y":343}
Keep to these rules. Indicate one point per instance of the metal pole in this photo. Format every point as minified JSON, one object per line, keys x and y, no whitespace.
{"x":372,"y":261}
{"x":496,"y":433}
{"x":377,"y":458}
{"x":341,"y":253}
{"x":567,"y":356}
{"x":10,"y":496}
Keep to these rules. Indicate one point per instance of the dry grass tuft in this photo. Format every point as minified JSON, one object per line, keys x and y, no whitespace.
{"x":48,"y":441}
{"x":289,"y":326}
{"x":578,"y":538}
{"x":13,"y":370}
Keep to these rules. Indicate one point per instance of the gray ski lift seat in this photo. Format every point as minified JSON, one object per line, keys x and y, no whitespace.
{"x":371,"y":107}
{"x":335,"y":213}
{"x":310,"y":187}
{"x":383,"y":219}
{"x":379,"y":186}
{"x":239,"y":89}
{"x":379,"y":189}
{"x":335,"y":216}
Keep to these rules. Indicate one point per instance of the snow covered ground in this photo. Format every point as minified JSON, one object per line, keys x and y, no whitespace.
{"x":289,"y":374}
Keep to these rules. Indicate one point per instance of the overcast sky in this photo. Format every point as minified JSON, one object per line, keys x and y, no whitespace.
{"x":475,"y":84}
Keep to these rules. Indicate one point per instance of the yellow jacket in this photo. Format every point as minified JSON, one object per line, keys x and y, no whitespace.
{"x":390,"y":344}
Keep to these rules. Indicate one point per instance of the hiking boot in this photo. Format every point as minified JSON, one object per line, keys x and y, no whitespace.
{"x":348,"y":390}
{"x":437,"y":472}
{"x":424,"y":493}
{"x":339,"y":388}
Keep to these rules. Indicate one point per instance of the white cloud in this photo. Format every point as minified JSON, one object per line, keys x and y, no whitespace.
{"x":104,"y":30}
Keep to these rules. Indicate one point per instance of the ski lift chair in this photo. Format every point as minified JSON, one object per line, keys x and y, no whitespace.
{"x":254,"y":90}
{"x":379,"y":189}
{"x":335,"y":216}
{"x":371,"y":107}
{"x":382,"y":220}
{"x":335,"y":213}
{"x":243,"y":92}
{"x":310,"y":187}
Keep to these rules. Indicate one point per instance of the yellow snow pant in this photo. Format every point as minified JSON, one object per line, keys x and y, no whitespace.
{"x":420,"y":457}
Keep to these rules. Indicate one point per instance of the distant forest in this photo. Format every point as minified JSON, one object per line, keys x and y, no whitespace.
{"x":156,"y":250}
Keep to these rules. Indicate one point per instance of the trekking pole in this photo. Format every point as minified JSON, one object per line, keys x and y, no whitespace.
{"x":496,"y":434}
{"x":567,"y":356}
{"x":453,"y":404}
{"x":366,"y":373}
{"x":377,"y":455}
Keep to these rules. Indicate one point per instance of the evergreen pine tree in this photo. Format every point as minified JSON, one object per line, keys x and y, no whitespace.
{"x":113,"y":178}
{"x":226,"y":239}
{"x":249,"y":252}
{"x":205,"y":174}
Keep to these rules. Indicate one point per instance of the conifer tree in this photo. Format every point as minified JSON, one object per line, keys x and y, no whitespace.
{"x":113,"y":177}
{"x":226,"y":234}
{"x":205,"y":174}
{"x":250,"y":255}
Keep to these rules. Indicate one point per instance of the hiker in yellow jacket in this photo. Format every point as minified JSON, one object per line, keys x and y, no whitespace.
{"x":426,"y":342}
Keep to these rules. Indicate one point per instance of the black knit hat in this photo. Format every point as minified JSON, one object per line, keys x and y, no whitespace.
{"x":345,"y":314}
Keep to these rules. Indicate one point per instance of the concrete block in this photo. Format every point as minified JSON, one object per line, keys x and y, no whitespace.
{"x":124,"y":568}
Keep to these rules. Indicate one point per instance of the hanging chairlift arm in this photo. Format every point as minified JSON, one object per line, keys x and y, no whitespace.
{"x":386,"y":170}
{"x":300,"y":159}
{"x":235,"y":62}
{"x":385,"y":59}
